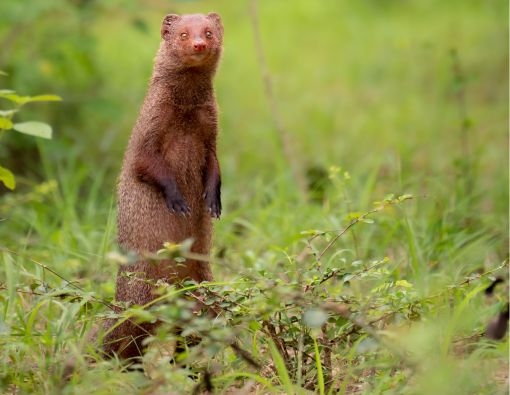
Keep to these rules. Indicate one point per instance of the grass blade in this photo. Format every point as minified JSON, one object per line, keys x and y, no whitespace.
{"x":318,"y":365}
{"x":281,"y":369}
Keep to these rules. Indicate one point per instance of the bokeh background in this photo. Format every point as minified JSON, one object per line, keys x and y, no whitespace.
{"x":359,"y":84}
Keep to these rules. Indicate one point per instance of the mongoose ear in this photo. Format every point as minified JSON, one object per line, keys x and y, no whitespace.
{"x":217,"y":21}
{"x":169,"y":20}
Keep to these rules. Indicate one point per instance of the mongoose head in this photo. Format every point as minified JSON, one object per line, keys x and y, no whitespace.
{"x":192,"y":40}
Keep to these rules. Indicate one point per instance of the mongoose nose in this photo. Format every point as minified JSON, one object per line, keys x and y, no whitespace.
{"x":199,"y":46}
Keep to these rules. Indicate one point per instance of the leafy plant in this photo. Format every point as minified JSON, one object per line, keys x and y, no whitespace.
{"x":32,"y":128}
{"x":302,"y":317}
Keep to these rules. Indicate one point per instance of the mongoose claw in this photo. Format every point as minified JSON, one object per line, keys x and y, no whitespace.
{"x":174,"y":200}
{"x":213,"y":206}
{"x":178,"y":206}
{"x":215,"y":211}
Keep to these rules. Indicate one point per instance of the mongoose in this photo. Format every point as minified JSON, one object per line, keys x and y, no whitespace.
{"x":169,"y":184}
{"x":498,"y":326}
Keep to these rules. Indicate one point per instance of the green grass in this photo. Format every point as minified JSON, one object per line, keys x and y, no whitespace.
{"x":343,"y":295}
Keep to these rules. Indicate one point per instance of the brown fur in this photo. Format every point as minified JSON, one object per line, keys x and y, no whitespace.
{"x":169,"y":185}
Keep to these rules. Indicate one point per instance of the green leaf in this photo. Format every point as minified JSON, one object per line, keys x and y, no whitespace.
{"x":312,"y":232}
{"x":33,"y":128}
{"x":12,"y":96}
{"x":7,"y":178}
{"x":3,"y":73}
{"x":255,"y":325}
{"x":141,"y":315}
{"x":403,"y":283}
{"x":406,"y":196}
{"x":8,"y":113}
{"x":29,"y":99}
{"x":281,"y":369}
{"x":318,"y":365}
{"x":353,"y":216}
{"x":5,"y":123}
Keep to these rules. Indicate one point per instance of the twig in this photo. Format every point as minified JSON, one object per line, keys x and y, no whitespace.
{"x":381,"y":206}
{"x":467,"y":281}
{"x":390,"y":346}
{"x":46,"y":267}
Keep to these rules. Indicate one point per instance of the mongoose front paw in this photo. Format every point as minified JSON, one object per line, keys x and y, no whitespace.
{"x":177,"y":205}
{"x":213,"y":204}
{"x":175,"y":202}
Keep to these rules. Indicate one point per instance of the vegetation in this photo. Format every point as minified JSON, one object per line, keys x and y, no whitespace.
{"x":365,"y":167}
{"x":33,"y":128}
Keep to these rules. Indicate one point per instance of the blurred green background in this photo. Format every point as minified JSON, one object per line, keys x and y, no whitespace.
{"x":370,"y":86}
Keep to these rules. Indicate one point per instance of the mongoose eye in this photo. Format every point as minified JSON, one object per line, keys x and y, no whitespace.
{"x":208,"y":34}
{"x":184,"y":36}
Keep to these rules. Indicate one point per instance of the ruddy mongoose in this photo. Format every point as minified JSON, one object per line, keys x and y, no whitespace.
{"x":169,"y":185}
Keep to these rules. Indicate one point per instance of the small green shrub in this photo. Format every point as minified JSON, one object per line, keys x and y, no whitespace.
{"x":32,"y":128}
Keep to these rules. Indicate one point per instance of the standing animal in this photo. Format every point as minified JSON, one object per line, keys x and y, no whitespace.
{"x":169,"y":185}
